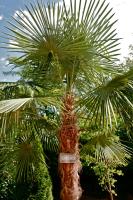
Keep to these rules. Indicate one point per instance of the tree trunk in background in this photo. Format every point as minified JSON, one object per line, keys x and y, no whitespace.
{"x":69,"y":160}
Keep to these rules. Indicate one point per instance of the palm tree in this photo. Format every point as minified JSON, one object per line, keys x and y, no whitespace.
{"x":74,"y":48}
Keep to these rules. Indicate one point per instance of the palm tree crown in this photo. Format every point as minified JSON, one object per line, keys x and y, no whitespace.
{"x":62,"y":42}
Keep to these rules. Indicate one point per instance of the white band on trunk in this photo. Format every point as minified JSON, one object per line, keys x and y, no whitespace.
{"x":67,"y":158}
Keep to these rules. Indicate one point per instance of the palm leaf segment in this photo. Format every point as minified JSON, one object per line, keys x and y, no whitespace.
{"x":13,"y":105}
{"x":105,"y":147}
{"x":28,"y":115}
{"x":55,"y":38}
{"x":110,"y":99}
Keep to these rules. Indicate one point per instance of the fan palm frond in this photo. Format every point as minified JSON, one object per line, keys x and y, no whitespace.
{"x":57,"y":38}
{"x":115,"y":153}
{"x":106,"y":147}
{"x":46,"y":129}
{"x":13,"y":105}
{"x":104,"y":103}
{"x":28,"y":114}
{"x":28,"y":154}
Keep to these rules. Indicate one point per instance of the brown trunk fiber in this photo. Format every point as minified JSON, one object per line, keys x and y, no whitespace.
{"x":69,"y":167}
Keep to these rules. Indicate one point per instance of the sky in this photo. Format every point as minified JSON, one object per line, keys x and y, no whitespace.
{"x":123,"y":12}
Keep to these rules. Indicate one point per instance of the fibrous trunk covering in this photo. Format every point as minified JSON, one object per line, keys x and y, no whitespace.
{"x":69,"y":135}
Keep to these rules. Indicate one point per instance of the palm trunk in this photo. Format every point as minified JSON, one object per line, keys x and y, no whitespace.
{"x":69,"y":162}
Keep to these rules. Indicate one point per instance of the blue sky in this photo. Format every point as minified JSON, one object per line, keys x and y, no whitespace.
{"x":7,"y":9}
{"x":123,"y":12}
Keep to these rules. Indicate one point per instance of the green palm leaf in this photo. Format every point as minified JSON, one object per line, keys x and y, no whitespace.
{"x":57,"y":38}
{"x":28,"y":154}
{"x":13,"y":105}
{"x":106,"y":147}
{"x":104,"y":103}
